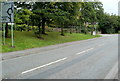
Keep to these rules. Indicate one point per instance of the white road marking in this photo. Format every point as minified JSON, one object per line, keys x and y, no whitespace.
{"x":84,"y":51}
{"x":43,"y":65}
{"x":113,"y":72}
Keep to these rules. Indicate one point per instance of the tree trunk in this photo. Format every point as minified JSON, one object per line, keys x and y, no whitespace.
{"x":80,"y":29}
{"x":27,"y":26}
{"x":70,"y":30}
{"x":21,"y":29}
{"x":28,"y":29}
{"x":62,"y":32}
{"x":39,"y":31}
{"x":43,"y":25}
{"x":76,"y":30}
{"x":6,"y":30}
{"x":85,"y":27}
{"x":92,"y":30}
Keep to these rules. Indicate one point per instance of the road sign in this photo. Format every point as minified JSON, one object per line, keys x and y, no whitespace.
{"x":7,"y":16}
{"x":7,"y":12}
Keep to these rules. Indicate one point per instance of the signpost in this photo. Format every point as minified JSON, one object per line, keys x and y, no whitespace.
{"x":7,"y":11}
{"x":3,"y":34}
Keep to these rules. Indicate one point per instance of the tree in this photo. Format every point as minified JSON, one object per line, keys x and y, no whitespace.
{"x":25,"y":16}
{"x":44,"y":9}
{"x":68,"y":14}
{"x":92,"y":12}
{"x":24,"y":4}
{"x":36,"y":21}
{"x":87,"y":13}
{"x":60,"y":19}
{"x":118,"y":21}
{"x":109,"y":24}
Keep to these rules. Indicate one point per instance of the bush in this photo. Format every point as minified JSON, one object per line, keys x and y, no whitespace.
{"x":21,"y":27}
{"x":110,"y":31}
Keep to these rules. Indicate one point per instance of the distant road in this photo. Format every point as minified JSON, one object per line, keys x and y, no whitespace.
{"x":92,"y":59}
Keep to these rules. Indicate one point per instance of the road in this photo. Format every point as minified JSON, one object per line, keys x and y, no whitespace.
{"x":92,"y":59}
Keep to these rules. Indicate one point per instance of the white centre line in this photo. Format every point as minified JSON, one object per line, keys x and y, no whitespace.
{"x":84,"y":51}
{"x":43,"y":65}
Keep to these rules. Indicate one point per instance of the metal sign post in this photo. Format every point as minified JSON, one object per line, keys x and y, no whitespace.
{"x":12,"y":35}
{"x":3,"y":34}
{"x":8,"y":16}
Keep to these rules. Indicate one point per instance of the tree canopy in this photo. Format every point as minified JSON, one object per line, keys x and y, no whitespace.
{"x":65,"y":15}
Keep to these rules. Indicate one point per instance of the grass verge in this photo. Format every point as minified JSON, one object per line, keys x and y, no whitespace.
{"x":26,"y":40}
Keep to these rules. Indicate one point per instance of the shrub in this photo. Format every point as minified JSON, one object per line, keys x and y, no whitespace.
{"x":21,"y":27}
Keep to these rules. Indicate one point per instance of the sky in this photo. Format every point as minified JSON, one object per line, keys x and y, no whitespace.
{"x":110,"y":6}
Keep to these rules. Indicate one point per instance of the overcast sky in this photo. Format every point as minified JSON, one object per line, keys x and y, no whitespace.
{"x":110,"y":6}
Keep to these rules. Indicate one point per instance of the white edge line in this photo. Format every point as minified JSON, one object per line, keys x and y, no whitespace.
{"x":43,"y":65}
{"x":113,"y":72}
{"x":84,"y":51}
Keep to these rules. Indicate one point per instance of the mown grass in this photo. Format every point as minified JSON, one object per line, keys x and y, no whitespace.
{"x":26,"y":40}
